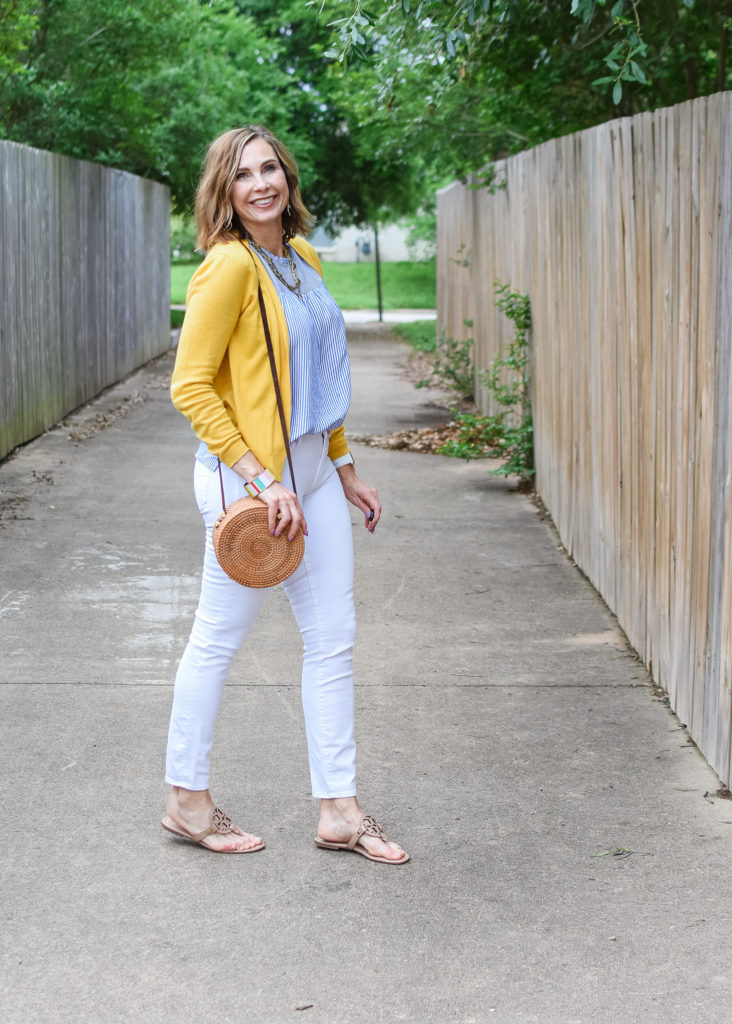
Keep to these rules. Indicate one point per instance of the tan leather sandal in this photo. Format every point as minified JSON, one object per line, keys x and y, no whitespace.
{"x":220,"y":824}
{"x":368,"y":827}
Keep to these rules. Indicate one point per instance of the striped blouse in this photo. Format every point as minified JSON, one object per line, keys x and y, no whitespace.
{"x":320,"y":373}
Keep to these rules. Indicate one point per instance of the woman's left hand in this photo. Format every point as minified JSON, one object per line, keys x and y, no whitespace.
{"x":361,"y":495}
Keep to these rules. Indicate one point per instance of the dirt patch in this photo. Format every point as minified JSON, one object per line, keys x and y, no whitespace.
{"x":13,"y":507}
{"x":119,"y":400}
{"x":418,"y":439}
{"x":104,"y":418}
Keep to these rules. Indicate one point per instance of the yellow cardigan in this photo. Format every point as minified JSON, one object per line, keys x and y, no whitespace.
{"x":222,"y":380}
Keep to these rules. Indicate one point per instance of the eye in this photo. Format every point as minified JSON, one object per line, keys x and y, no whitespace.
{"x":270,"y":167}
{"x":240,"y":175}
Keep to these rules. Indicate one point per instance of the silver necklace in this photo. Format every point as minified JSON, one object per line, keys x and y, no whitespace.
{"x":275,"y":269}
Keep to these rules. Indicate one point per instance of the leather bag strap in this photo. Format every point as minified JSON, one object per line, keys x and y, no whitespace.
{"x":275,"y":379}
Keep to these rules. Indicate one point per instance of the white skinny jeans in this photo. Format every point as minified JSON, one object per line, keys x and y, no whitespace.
{"x":320,"y":592}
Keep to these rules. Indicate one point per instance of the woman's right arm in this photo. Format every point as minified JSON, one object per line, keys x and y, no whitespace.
{"x":214,"y":304}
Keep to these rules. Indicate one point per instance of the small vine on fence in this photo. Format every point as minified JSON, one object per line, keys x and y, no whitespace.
{"x":509,"y":433}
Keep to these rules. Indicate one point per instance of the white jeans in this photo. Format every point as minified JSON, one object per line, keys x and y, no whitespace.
{"x":320,"y":592}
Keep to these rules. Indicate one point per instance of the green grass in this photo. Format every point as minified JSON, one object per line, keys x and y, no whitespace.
{"x":421,"y":334}
{"x":180,"y":275}
{"x":353,"y":285}
{"x":403,"y":285}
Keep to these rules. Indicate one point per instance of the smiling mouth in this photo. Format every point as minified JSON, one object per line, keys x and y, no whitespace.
{"x":264,"y":202}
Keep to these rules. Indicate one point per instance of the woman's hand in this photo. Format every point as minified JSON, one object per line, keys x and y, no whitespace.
{"x":361,"y":495}
{"x":284,"y":508}
{"x":285,"y":512}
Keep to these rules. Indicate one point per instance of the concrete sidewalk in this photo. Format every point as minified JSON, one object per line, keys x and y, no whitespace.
{"x":570,"y":864}
{"x":390,"y":316}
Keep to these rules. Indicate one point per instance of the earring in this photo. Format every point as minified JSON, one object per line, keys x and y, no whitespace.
{"x":289,"y":210}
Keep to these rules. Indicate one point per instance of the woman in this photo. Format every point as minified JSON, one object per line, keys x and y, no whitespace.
{"x":249,"y":212}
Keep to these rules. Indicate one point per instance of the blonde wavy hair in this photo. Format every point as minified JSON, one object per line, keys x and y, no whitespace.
{"x":216,"y":218}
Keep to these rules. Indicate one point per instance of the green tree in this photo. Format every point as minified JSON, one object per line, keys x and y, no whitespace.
{"x":17,"y":23}
{"x":143,"y":87}
{"x":464,"y":82}
{"x":345,"y":180}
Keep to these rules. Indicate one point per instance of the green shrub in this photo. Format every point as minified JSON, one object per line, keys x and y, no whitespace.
{"x":508,"y":434}
{"x":507,"y":378}
{"x":479,"y":436}
{"x":454,"y":366}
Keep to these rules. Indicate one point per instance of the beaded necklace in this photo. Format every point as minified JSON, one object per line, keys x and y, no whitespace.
{"x":275,"y":270}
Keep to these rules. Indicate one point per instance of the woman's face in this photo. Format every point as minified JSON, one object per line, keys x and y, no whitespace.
{"x":259,"y":193}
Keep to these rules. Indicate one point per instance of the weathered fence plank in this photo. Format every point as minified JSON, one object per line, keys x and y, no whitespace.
{"x":85,"y":284}
{"x":622,"y":236}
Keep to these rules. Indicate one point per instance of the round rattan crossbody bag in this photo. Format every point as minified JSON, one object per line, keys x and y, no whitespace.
{"x":244,"y":547}
{"x":248,"y":552}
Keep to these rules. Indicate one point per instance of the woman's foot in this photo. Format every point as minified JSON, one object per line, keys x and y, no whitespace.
{"x":341,"y":819}
{"x":193,"y":812}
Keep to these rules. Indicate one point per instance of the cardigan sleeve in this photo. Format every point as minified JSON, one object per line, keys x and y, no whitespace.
{"x":214,"y":303}
{"x":338,"y":444}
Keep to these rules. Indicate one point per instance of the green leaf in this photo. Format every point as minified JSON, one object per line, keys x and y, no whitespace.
{"x":584,"y":8}
{"x":638,"y":72}
{"x":617,"y":92}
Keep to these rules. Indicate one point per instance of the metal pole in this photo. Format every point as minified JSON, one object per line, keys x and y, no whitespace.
{"x":378,"y":272}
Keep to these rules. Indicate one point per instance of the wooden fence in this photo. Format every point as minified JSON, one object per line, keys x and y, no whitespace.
{"x":622,"y":237}
{"x":84,"y":284}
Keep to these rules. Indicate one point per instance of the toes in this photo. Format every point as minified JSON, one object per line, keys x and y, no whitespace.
{"x":232,"y":844}
{"x":247,"y":840}
{"x":390,"y":850}
{"x":248,"y":843}
{"x":395,"y":852}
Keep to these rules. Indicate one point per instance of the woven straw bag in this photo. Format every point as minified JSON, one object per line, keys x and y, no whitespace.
{"x":248,"y":552}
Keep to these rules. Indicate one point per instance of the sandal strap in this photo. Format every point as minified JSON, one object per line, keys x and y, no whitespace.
{"x":220,"y":823}
{"x":369,"y":827}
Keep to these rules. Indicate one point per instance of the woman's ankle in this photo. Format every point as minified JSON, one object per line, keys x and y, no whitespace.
{"x":190,"y":799}
{"x":340,"y":807}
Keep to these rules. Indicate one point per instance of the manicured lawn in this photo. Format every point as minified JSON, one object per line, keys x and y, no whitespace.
{"x":353,"y":285}
{"x":421,"y":334}
{"x":180,"y":275}
{"x":403,"y":285}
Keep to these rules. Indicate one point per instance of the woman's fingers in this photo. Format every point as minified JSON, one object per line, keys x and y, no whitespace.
{"x":284,"y":511}
{"x":375,"y":508}
{"x":366,"y":499}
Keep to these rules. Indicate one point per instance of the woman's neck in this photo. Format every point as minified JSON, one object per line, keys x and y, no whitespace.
{"x":269,"y":240}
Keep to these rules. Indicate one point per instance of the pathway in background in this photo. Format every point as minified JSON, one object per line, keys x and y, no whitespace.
{"x":570,"y":863}
{"x":391,"y":316}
